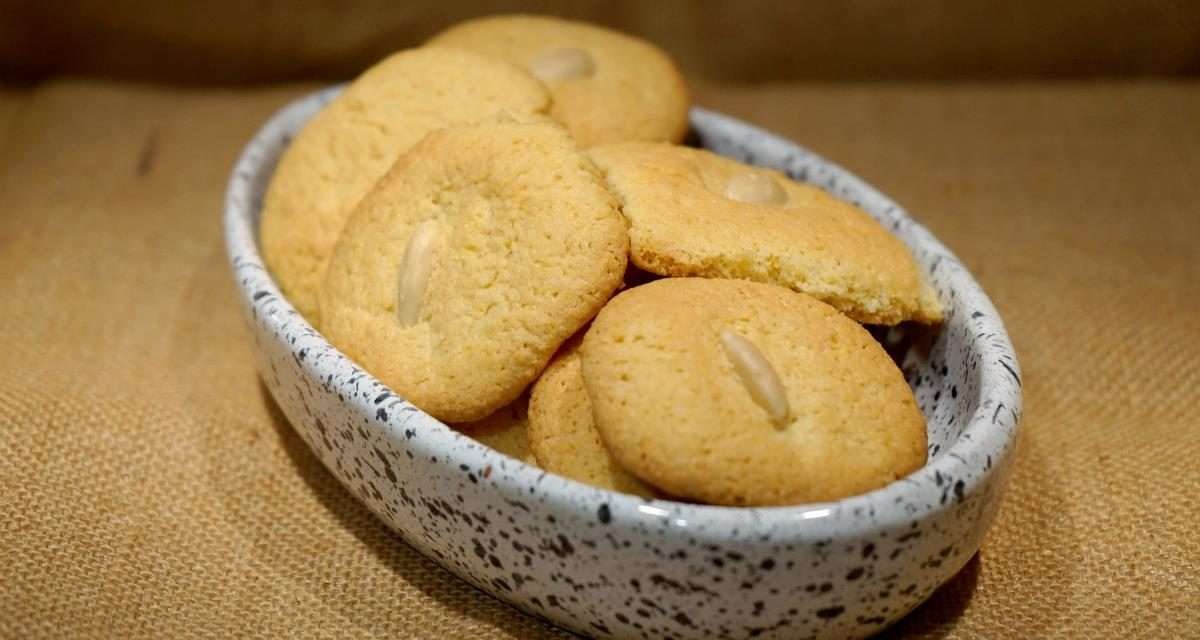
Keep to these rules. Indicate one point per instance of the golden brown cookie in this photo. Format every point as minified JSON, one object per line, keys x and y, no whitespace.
{"x":562,"y":432}
{"x":694,"y":213}
{"x":346,"y":147}
{"x":740,"y":393}
{"x":479,"y":253}
{"x":506,"y":430}
{"x":607,"y":86}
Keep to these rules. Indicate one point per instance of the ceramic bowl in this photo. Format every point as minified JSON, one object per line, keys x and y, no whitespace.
{"x":613,"y":565}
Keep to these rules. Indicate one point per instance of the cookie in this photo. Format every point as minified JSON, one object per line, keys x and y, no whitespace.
{"x":694,"y":213}
{"x":480,"y":252}
{"x":346,"y":147}
{"x":562,"y":432}
{"x":606,"y":86}
{"x":506,"y":430}
{"x":741,"y":393}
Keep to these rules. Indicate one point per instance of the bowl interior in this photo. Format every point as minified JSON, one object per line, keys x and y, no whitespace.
{"x":964,"y":375}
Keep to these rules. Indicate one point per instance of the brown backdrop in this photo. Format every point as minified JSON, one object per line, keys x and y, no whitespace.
{"x":736,"y":41}
{"x":149,"y":488}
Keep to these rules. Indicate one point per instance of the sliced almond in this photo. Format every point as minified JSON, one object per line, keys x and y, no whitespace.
{"x":755,"y":187}
{"x":414,"y":272}
{"x":562,"y":64}
{"x":757,"y":375}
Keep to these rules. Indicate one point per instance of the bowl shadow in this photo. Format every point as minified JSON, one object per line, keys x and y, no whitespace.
{"x":1017,"y":565}
{"x":936,"y":617}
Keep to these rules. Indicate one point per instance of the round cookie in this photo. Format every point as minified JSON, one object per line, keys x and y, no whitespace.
{"x":694,"y":213}
{"x":562,"y":432}
{"x":606,"y":86}
{"x":506,"y":430}
{"x":480,"y":252}
{"x":741,"y":393}
{"x":346,"y":147}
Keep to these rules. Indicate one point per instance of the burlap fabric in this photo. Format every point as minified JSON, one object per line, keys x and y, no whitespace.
{"x":149,"y":488}
{"x":720,"y":40}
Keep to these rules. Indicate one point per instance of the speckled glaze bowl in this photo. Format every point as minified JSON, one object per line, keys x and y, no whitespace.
{"x":613,"y":565}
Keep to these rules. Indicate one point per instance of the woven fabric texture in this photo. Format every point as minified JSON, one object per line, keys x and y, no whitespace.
{"x":723,"y":40}
{"x":149,"y":488}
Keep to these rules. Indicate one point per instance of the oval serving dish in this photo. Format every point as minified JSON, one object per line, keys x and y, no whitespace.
{"x":612,"y":565}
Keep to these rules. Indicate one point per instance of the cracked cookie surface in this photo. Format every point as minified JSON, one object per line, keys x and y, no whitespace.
{"x":526,"y":245}
{"x":607,"y":86}
{"x":348,"y":145}
{"x":675,"y":411}
{"x":694,"y":213}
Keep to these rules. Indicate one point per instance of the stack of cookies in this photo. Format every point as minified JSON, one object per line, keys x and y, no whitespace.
{"x":502,"y":226}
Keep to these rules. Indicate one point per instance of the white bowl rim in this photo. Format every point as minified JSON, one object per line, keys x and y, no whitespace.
{"x":703,"y":522}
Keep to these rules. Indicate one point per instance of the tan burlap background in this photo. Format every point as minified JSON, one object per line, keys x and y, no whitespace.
{"x":148,"y":487}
